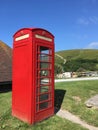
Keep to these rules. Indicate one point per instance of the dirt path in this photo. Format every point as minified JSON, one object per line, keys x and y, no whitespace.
{"x":69,"y":116}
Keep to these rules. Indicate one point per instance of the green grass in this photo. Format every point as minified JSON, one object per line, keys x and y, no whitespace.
{"x":5,"y":102}
{"x":7,"y":122}
{"x":76,"y":95}
{"x":54,"y":123}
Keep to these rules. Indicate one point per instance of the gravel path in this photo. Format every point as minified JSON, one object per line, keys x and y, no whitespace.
{"x":76,"y":79}
{"x":69,"y":116}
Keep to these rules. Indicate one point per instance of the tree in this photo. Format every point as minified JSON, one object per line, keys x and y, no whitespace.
{"x":58,"y":69}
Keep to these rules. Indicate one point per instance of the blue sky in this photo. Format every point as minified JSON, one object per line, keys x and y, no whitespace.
{"x":74,"y":23}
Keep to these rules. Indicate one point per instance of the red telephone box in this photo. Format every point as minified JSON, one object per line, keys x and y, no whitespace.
{"x":33,"y":75}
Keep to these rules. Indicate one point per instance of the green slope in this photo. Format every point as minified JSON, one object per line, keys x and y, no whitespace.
{"x":76,"y":54}
{"x":87,"y":59}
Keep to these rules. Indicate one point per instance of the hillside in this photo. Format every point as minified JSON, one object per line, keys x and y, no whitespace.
{"x":83,"y":53}
{"x":86,"y":59}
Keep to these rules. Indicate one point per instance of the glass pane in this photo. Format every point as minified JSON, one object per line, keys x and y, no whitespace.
{"x":43,"y":105}
{"x":45,"y":81}
{"x":44,"y":97}
{"x":44,"y":50}
{"x":45,"y":73}
{"x":44,"y":65}
{"x":44,"y":89}
{"x":44,"y":57}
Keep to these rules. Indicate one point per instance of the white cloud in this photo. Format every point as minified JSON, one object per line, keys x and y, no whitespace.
{"x":83,"y":21}
{"x":93,"y":19}
{"x":92,"y":45}
{"x":87,"y":21}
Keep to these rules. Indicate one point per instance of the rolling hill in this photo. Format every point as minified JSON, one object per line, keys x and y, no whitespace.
{"x":75,"y":59}
{"x":77,"y":54}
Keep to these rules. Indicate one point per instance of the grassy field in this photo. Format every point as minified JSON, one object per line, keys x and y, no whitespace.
{"x":7,"y":122}
{"x":73,"y":94}
{"x":76,"y":95}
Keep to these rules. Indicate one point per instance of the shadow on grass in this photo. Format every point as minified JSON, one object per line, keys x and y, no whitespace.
{"x":59,"y":96}
{"x":5,"y":87}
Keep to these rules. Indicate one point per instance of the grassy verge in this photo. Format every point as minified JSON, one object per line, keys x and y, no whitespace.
{"x":54,"y":123}
{"x":7,"y":122}
{"x":76,"y":95}
{"x":5,"y":102}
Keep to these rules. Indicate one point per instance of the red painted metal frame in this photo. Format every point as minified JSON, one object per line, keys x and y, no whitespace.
{"x":25,"y":78}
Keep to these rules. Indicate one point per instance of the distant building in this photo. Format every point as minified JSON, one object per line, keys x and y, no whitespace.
{"x":5,"y":64}
{"x":67,"y":74}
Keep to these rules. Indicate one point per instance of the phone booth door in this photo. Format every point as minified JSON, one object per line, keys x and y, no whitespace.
{"x":44,"y":89}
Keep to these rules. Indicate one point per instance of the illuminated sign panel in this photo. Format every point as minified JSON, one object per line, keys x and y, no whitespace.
{"x":43,"y":37}
{"x":22,"y":37}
